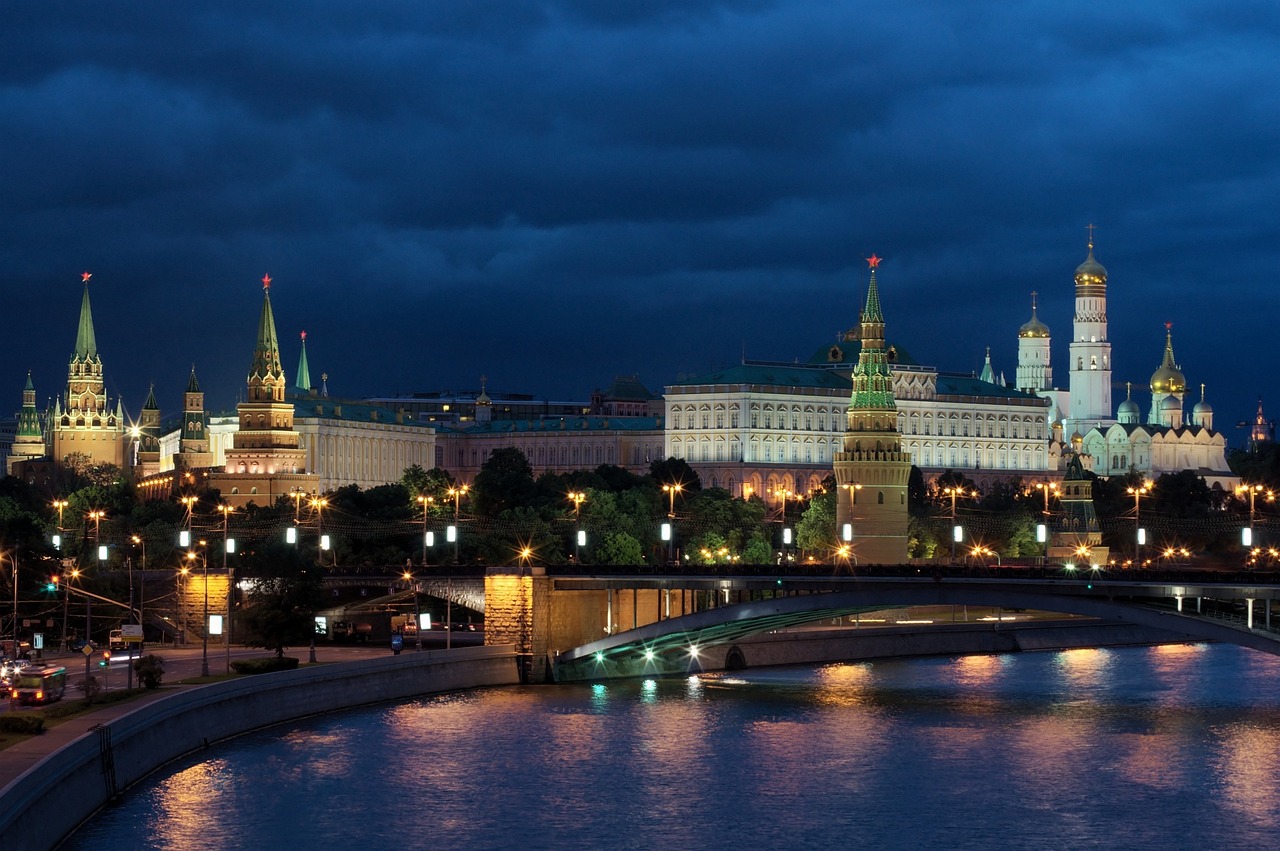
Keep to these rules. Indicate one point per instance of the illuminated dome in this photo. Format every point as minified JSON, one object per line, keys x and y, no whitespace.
{"x":1168,"y":378}
{"x":1128,"y":408}
{"x":1170,"y":403}
{"x":1091,"y":277}
{"x":1033,"y":327}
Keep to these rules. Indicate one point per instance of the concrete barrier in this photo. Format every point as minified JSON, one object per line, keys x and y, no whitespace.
{"x":48,"y":801}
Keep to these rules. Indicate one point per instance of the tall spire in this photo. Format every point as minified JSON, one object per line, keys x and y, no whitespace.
{"x":266,"y":355}
{"x":304,"y":373}
{"x":193,"y":386}
{"x":86,"y":343}
{"x":988,"y":374}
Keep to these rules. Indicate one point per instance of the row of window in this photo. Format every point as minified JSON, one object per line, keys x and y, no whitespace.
{"x":955,"y":425}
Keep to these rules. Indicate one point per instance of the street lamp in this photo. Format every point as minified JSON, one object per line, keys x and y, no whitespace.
{"x":1253,"y":491}
{"x":782,"y":494}
{"x":1138,"y":492}
{"x":61,"y":505}
{"x":954,"y":492}
{"x":182,"y":600}
{"x":456,"y":493}
{"x":13,"y":557}
{"x":671,"y":491}
{"x":204,"y":631}
{"x":417,"y":613}
{"x":425,"y":502}
{"x":577,"y":498}
{"x":184,"y":537}
{"x":319,"y":503}
{"x":1047,"y":488}
{"x":228,"y":546}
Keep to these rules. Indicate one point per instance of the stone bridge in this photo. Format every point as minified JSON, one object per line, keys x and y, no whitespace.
{"x":592,"y":623}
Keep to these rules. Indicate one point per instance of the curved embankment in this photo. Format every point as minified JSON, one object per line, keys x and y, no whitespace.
{"x":48,"y":801}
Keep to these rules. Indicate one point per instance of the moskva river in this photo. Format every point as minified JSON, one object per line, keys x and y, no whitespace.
{"x":1173,"y":747}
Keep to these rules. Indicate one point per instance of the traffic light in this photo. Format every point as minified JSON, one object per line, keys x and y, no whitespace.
{"x":106,"y":659}
{"x":53,"y":583}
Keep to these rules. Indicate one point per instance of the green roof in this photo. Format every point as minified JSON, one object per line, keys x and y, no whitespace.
{"x":953,"y":384}
{"x":780,"y":375}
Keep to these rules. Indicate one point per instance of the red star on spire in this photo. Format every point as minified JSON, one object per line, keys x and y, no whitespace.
{"x":266,"y":282}
{"x":304,"y":336}
{"x":85,"y":276}
{"x":873,"y":261}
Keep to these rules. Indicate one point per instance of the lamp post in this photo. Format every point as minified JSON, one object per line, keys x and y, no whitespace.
{"x":782,"y":494}
{"x":577,"y":498}
{"x":204,"y":632}
{"x":318,"y":503}
{"x":671,"y":491}
{"x":61,"y":505}
{"x":417,"y":613}
{"x":1253,"y":491}
{"x":425,"y":502}
{"x":1138,"y":492}
{"x":456,"y":493}
{"x":182,"y":602}
{"x":954,"y":492}
{"x":13,"y":558}
{"x":1047,"y":488}
{"x":66,"y":603}
{"x":228,"y":545}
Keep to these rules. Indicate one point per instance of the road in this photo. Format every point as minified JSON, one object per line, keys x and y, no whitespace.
{"x":182,"y":663}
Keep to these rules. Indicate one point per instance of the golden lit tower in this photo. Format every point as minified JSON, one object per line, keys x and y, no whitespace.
{"x":267,"y":459}
{"x":82,"y":423}
{"x":872,"y":471}
{"x":1090,"y":351}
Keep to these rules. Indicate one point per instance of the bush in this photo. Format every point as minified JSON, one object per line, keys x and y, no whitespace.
{"x":150,"y":670}
{"x":91,"y":687}
{"x":22,"y":723}
{"x":264,"y":665}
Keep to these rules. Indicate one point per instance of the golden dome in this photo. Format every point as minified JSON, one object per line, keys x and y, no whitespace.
{"x":1091,"y":277}
{"x":1033,"y":327}
{"x":1168,"y":378}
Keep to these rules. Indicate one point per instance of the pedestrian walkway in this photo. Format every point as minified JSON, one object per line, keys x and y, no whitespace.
{"x":17,"y":758}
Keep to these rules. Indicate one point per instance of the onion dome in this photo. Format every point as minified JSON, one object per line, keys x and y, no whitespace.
{"x":1091,"y":276}
{"x":1202,"y":407}
{"x":1170,"y":403}
{"x":1168,"y":378}
{"x":1033,"y":327}
{"x":1128,"y":412}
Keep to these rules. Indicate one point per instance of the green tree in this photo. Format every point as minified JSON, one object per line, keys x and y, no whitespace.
{"x":285,"y":593}
{"x":757,"y":550}
{"x":675,"y":471}
{"x":619,"y":548}
{"x":505,"y":481}
{"x":816,"y":531}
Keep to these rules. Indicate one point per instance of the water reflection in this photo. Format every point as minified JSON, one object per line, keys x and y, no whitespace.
{"x":1117,"y":748}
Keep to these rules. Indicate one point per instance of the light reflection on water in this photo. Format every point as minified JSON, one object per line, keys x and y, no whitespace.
{"x":1162,"y":747}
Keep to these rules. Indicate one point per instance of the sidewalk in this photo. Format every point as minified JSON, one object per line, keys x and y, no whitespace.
{"x":16,"y":759}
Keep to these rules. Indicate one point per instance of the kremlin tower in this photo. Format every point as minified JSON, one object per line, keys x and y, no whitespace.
{"x":872,"y":471}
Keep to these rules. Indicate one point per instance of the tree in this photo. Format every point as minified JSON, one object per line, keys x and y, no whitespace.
{"x":619,"y":548}
{"x":675,"y":471}
{"x":284,"y":595}
{"x":505,"y":481}
{"x":817,"y":527}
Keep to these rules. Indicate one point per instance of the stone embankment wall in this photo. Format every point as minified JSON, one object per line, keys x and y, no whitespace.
{"x":40,"y":808}
{"x":818,"y":646}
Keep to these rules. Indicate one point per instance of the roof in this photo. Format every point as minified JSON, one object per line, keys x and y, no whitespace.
{"x":554,"y":424}
{"x":781,"y":375}
{"x":957,"y":384}
{"x":846,"y":349}
{"x":310,"y":407}
{"x":629,"y":388}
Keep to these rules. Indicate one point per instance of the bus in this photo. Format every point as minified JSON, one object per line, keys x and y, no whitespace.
{"x":39,"y":685}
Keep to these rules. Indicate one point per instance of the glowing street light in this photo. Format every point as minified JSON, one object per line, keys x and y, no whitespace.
{"x":1138,"y":492}
{"x":426,"y":502}
{"x":577,"y":498}
{"x":671,"y":491}
{"x":1246,"y":535}
{"x":956,"y":532}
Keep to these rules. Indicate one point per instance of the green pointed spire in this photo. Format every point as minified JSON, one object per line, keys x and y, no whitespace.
{"x":29,"y":419}
{"x":150,"y":404}
{"x":266,"y":356}
{"x":86,"y":343}
{"x":193,"y":386}
{"x":304,"y":372}
{"x":872,"y":378}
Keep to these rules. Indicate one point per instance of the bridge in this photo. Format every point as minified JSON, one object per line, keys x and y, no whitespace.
{"x":582,"y":622}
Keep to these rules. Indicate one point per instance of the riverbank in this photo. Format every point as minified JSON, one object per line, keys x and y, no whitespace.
{"x":69,"y":772}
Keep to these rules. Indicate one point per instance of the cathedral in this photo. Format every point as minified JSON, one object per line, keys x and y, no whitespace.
{"x":1169,"y":440}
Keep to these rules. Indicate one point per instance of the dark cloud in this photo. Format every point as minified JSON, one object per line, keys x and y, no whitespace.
{"x":552,"y":193}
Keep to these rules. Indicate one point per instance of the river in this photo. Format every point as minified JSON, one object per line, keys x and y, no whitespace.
{"x":1169,"y":747}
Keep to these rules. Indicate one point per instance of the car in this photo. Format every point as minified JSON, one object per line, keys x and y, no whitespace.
{"x":78,"y":644}
{"x":10,"y":668}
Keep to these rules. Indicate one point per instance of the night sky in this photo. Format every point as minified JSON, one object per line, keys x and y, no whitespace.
{"x":552,"y":194}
